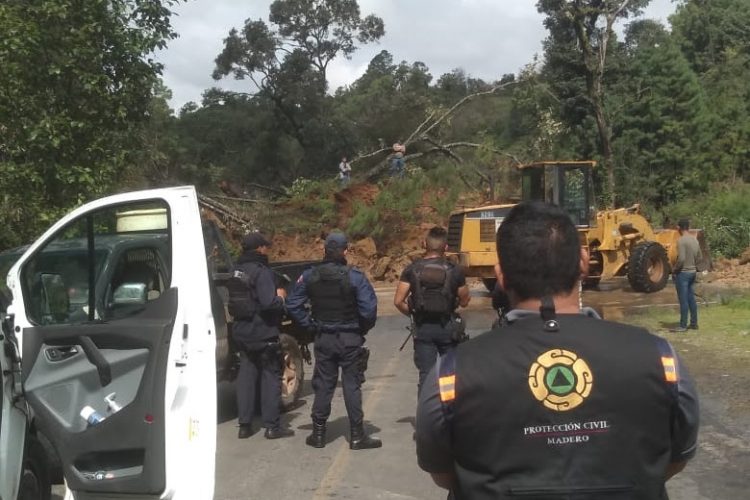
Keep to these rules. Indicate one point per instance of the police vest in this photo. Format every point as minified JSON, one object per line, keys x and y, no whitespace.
{"x":243,"y":302}
{"x":432,"y":297}
{"x":581,"y":413}
{"x":332,"y":297}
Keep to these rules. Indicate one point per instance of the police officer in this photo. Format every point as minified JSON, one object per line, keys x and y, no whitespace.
{"x":557,"y":403}
{"x":429,"y":291}
{"x":257,"y":306}
{"x":343,"y":308}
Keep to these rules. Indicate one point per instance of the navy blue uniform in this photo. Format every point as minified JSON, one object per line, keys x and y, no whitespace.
{"x":257,"y":338}
{"x":341,"y":315}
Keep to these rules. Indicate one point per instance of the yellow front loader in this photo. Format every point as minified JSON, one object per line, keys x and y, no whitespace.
{"x":621,"y":242}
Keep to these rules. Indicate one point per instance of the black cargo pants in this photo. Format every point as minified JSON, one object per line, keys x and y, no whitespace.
{"x":334,"y":351}
{"x":430,"y":340}
{"x":260,"y":368}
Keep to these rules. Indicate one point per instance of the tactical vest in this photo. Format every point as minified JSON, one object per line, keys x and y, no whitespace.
{"x":332,"y":297}
{"x":243,"y":303}
{"x":432,"y":297}
{"x":580,"y":413}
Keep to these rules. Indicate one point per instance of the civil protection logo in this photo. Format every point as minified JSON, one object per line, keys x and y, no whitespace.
{"x":560,"y":379}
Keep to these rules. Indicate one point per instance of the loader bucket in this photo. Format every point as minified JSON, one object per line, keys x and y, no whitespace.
{"x":705,"y":264}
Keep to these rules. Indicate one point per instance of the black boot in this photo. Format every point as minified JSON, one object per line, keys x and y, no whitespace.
{"x":360,"y":441}
{"x":317,"y":439}
{"x":245,"y":431}
{"x":278,"y":432}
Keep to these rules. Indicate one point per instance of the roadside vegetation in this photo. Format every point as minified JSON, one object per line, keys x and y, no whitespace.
{"x":719,"y":350}
{"x":724,"y":319}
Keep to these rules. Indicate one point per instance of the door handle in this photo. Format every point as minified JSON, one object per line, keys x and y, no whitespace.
{"x":56,"y":354}
{"x":95,"y":356}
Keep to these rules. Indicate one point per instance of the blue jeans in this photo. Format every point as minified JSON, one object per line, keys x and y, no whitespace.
{"x":397,"y":167}
{"x":684,"y":282}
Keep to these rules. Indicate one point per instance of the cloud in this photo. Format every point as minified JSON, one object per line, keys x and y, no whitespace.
{"x":486,"y":38}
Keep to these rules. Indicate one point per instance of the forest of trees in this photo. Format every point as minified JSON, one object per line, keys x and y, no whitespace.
{"x":664,"y":109}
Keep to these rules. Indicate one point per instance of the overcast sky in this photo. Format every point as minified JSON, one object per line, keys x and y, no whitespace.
{"x":486,"y":38}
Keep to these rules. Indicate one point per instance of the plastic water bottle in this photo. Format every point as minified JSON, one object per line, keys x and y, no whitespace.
{"x":91,"y":416}
{"x":112,"y":406}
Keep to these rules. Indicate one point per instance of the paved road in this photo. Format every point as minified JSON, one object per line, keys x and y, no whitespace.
{"x":288,"y":469}
{"x":256,"y":468}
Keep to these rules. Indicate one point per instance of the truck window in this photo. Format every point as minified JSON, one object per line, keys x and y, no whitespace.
{"x":138,"y":278}
{"x":65,"y":281}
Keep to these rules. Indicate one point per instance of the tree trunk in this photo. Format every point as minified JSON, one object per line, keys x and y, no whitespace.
{"x":605,"y":139}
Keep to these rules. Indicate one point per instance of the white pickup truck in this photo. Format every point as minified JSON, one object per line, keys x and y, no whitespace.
{"x":70,"y":340}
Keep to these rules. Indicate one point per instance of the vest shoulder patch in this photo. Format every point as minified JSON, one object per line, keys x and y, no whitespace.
{"x":447,"y":377}
{"x":668,"y":361}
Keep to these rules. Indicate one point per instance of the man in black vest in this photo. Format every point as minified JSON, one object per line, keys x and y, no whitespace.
{"x":343,"y":307}
{"x":558,"y":403}
{"x":257,"y":306}
{"x":429,"y":291}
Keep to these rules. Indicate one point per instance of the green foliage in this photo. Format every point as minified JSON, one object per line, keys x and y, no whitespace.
{"x":395,"y":205}
{"x":661,"y":131}
{"x":400,"y":199}
{"x":404,"y":202}
{"x":366,"y":221}
{"x":709,"y":31}
{"x":447,"y":186}
{"x":75,"y":88}
{"x":313,"y":205}
{"x":304,"y":189}
{"x":724,"y":214}
{"x":384,"y":104}
{"x":286,"y":61}
{"x":715,"y":40}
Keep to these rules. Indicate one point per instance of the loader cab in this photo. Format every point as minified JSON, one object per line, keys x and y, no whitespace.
{"x":567,"y":184}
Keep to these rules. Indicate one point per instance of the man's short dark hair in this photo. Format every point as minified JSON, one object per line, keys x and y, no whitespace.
{"x":436,"y":239}
{"x":539,"y":251}
{"x":684,"y":224}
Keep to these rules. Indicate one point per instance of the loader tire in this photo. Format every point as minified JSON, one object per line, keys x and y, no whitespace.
{"x":648,"y":267}
{"x":293,"y":372}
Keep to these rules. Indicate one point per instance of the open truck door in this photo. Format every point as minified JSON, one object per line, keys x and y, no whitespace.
{"x":120,"y":372}
{"x":13,"y":418}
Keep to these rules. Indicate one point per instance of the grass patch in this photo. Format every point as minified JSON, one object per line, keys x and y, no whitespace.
{"x":724,"y":326}
{"x":717,"y":354}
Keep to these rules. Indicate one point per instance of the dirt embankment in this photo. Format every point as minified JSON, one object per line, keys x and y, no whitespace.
{"x":384,"y":259}
{"x":732,"y":273}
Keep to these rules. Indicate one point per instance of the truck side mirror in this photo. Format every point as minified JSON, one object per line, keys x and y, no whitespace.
{"x":130,"y":294}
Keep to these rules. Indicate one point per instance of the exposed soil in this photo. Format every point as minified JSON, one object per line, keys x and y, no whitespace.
{"x":733,"y":273}
{"x":384,"y":259}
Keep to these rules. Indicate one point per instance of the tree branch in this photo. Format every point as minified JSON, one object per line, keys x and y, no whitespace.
{"x":416,"y":131}
{"x":444,"y":150}
{"x":464,"y":101}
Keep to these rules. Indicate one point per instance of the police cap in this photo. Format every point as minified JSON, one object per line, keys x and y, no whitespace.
{"x":255,"y":240}
{"x":336,"y":241}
